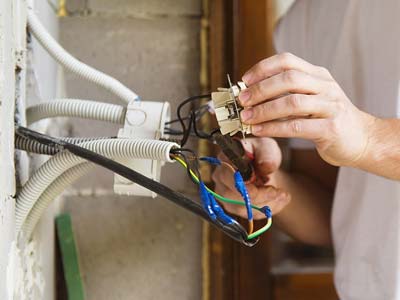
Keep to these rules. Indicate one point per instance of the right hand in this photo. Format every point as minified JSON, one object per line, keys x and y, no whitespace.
{"x":267,"y":159}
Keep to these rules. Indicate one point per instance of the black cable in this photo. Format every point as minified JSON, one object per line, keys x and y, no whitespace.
{"x":186,"y":132}
{"x":201,"y":134}
{"x":179,"y":115}
{"x":185,"y":159}
{"x":234,"y":230}
{"x":189,"y":165}
{"x":200,"y":112}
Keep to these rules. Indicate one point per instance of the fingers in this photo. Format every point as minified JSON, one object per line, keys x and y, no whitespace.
{"x":288,"y":82}
{"x":223,"y":175}
{"x":275,"y":198}
{"x":288,"y":106}
{"x":267,"y":155}
{"x":280,"y":63}
{"x":311,"y":129}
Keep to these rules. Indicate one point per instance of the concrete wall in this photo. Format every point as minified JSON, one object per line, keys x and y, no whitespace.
{"x":130,"y":247}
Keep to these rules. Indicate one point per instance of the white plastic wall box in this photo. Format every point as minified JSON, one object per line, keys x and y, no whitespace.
{"x":144,"y":119}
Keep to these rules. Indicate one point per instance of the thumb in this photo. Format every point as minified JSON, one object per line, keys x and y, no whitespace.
{"x":267,"y":155}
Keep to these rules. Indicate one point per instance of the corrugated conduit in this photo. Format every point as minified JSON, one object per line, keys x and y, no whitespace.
{"x":32,"y":146}
{"x":72,"y":64}
{"x":63,"y":161}
{"x":85,"y":109}
{"x":54,"y":190}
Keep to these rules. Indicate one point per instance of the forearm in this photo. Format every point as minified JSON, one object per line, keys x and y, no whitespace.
{"x":382,"y":154}
{"x":307,"y":217}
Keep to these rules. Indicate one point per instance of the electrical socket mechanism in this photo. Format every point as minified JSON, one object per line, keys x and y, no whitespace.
{"x":227,"y":109}
{"x":144,"y":120}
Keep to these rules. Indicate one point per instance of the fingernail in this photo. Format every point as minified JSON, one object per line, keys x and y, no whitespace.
{"x":256,"y":128}
{"x":244,"y":96}
{"x":246,"y":78}
{"x":246,"y":114}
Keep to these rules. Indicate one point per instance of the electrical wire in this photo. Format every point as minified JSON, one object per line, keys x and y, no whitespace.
{"x":227,"y":200}
{"x":234,"y":229}
{"x":229,"y":166}
{"x":186,"y":130}
{"x":200,"y":112}
{"x":198,"y":133}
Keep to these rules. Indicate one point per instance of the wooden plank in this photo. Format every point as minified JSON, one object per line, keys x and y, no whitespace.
{"x":252,"y":278}
{"x":304,"y":287}
{"x":69,"y":256}
{"x":220,"y":42}
{"x":252,"y":41}
{"x":253,"y":28}
{"x":219,"y":265}
{"x":238,"y":37}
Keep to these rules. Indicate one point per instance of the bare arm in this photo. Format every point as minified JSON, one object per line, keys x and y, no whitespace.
{"x":382,"y":154}
{"x":311,"y":184}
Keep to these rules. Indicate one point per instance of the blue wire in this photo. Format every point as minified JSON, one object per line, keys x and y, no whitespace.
{"x":211,"y":160}
{"x":218,"y":210}
{"x":205,"y":199}
{"x":267,"y":211}
{"x":241,"y":188}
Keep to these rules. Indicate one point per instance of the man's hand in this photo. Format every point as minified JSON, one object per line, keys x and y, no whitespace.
{"x":289,"y":97}
{"x":267,"y":159}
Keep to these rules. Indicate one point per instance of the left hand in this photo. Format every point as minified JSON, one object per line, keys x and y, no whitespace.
{"x":289,"y":97}
{"x":267,"y":159}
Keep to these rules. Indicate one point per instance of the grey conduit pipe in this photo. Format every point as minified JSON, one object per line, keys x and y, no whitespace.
{"x":32,"y":146}
{"x":58,"y":164}
{"x":77,"y":108}
{"x":72,"y":64}
{"x":54,"y":190}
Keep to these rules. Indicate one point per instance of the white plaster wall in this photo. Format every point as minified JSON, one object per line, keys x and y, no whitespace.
{"x":7,"y":181}
{"x":16,"y":92}
{"x":43,"y":85}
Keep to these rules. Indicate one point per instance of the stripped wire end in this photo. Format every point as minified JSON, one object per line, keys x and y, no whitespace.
{"x":217,"y":162}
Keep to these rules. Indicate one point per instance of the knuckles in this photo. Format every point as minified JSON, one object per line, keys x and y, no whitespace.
{"x":324,"y":72}
{"x":296,"y":127}
{"x":290,"y":76}
{"x":294,"y":101}
{"x":286,"y":60}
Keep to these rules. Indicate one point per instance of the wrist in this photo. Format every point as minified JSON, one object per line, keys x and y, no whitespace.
{"x":380,"y":156}
{"x":368,"y":151}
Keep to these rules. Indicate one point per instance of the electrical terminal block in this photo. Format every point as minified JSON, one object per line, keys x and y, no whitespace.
{"x":227,"y":109}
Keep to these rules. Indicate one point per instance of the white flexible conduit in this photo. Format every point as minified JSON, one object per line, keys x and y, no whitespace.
{"x":84,"y":109}
{"x":32,"y":146}
{"x":58,"y":164}
{"x":74,"y":65}
{"x":54,"y":190}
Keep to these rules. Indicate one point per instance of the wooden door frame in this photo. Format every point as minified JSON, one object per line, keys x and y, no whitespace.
{"x":239,"y":35}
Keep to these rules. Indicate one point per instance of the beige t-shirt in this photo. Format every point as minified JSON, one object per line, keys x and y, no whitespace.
{"x":359,"y":42}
